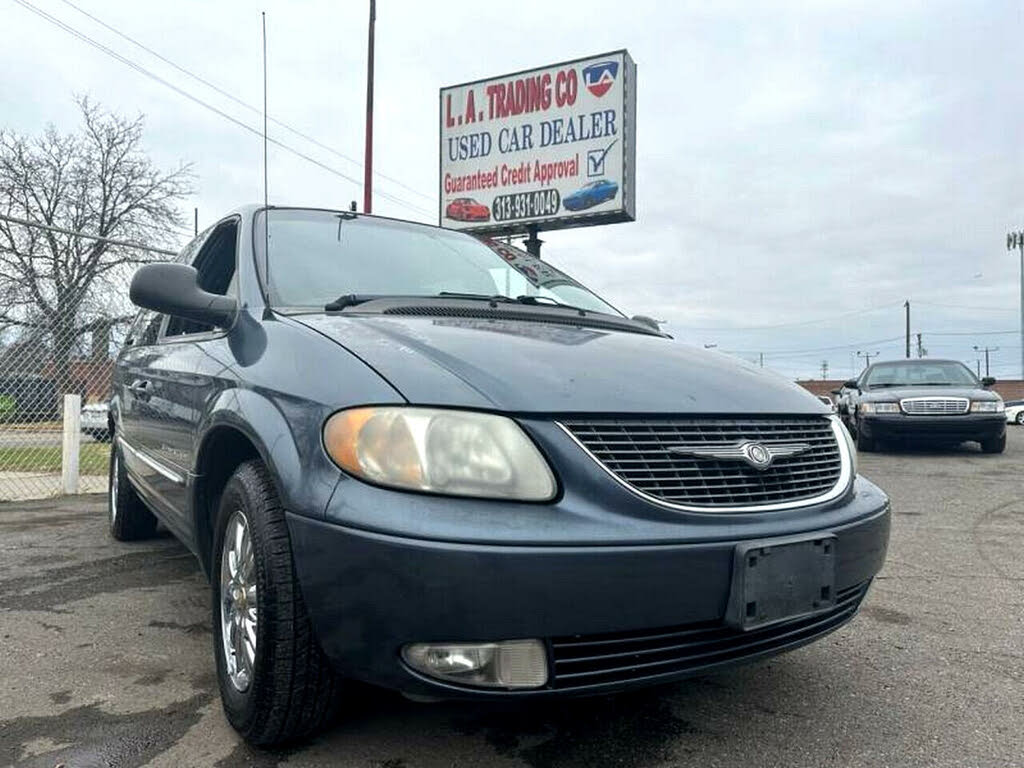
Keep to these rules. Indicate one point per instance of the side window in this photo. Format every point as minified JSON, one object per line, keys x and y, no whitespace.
{"x":215,"y":264}
{"x":145,"y":329}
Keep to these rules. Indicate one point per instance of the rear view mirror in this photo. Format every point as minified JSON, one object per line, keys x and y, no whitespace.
{"x":173,"y":289}
{"x":988,"y":381}
{"x":850,"y":384}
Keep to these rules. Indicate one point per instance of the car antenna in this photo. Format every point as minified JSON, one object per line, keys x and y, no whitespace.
{"x":266,"y":205}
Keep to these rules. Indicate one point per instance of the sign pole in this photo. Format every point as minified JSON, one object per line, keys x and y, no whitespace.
{"x":532,"y":242}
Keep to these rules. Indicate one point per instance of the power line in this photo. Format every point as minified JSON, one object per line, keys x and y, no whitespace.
{"x":966,"y":333}
{"x":789,"y":325}
{"x":228,"y":95}
{"x":142,"y":70}
{"x":811,"y":350}
{"x":961,"y":306}
{"x":63,"y":231}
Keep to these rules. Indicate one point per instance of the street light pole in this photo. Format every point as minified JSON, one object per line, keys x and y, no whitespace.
{"x":1016,"y":240}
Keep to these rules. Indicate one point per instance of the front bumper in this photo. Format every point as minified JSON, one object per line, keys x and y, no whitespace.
{"x":659,"y":607}
{"x":969,"y":426}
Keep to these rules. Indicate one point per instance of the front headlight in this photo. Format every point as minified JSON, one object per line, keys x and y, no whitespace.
{"x":439,"y":451}
{"x":876,"y":407}
{"x":988,"y":406}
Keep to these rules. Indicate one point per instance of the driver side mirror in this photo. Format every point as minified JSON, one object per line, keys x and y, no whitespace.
{"x":850,"y":384}
{"x":173,"y":289}
{"x":988,"y":381}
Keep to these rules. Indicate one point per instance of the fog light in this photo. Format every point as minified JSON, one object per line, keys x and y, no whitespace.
{"x":508,"y":664}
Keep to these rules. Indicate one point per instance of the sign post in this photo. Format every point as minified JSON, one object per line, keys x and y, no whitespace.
{"x":541,"y":149}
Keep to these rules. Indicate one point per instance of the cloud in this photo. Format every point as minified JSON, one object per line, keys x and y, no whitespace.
{"x":796,"y":161}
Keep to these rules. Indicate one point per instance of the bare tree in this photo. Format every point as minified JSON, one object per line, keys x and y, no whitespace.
{"x":98,"y":181}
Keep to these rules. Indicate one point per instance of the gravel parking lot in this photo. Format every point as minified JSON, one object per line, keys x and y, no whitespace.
{"x":105,"y":658}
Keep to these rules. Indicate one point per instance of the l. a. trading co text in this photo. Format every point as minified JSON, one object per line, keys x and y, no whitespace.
{"x":521,"y":96}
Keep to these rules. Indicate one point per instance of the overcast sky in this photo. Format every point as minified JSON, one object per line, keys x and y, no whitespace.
{"x":803,"y":168}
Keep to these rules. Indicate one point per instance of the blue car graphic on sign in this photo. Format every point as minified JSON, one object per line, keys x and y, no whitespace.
{"x":591,"y":194}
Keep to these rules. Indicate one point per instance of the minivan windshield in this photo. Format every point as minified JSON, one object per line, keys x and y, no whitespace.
{"x":937,"y":373}
{"x":317,"y":256}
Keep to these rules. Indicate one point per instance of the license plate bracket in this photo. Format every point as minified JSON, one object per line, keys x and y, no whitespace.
{"x":776,"y":580}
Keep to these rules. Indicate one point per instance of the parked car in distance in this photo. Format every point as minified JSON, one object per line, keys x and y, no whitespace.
{"x":589,"y":195}
{"x":1014,"y":411}
{"x":387,"y":446}
{"x":938,"y":401}
{"x":467,"y":209}
{"x":94,"y":421}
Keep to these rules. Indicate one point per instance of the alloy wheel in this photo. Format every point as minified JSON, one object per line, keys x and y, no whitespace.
{"x":238,"y":612}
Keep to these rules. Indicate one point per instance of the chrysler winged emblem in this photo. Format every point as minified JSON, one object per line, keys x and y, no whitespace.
{"x":758,"y":455}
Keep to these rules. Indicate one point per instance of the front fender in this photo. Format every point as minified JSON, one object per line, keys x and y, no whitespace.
{"x":290,"y":447}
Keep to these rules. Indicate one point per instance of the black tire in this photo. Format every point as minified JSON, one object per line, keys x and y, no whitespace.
{"x":128,"y":516}
{"x":995,"y":445}
{"x":865,"y":443}
{"x":1020,"y":418}
{"x":293,"y":689}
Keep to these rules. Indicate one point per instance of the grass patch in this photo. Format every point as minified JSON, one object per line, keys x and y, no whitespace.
{"x":92,"y":458}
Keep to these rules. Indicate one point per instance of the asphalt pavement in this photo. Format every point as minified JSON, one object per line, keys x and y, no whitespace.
{"x":105,"y":659}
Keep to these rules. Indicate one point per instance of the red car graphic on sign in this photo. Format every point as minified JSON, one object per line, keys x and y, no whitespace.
{"x":467,"y":209}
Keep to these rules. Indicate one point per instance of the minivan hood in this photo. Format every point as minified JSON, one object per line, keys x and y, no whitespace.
{"x":524,"y":366}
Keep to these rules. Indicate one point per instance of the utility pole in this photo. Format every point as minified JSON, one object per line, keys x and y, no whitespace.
{"x":195,"y":223}
{"x":824,"y":370}
{"x":760,"y":359}
{"x":986,"y":350}
{"x":867,"y":357}
{"x":921,"y":351}
{"x":368,"y":152}
{"x":977,"y":366}
{"x":906,"y":306}
{"x":1016,"y":240}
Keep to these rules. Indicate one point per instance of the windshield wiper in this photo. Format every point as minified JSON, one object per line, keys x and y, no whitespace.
{"x":349,"y":300}
{"x":544,"y":301}
{"x":493,"y":298}
{"x":535,"y":301}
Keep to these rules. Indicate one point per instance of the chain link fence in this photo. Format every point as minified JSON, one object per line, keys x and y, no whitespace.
{"x":41,"y":361}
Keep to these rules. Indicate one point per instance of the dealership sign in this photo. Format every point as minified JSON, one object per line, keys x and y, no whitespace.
{"x":551,"y":147}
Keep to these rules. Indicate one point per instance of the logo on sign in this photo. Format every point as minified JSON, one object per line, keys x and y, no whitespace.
{"x":600,"y":77}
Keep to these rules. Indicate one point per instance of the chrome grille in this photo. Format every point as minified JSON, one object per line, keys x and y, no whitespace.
{"x":935,"y":406}
{"x":588,"y":660}
{"x":637,"y":453}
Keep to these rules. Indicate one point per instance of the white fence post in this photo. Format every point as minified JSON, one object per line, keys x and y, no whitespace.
{"x":71,"y":442}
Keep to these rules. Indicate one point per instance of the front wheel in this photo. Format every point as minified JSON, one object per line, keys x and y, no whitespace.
{"x":276,"y":684}
{"x":995,"y":445}
{"x":864,"y":443}
{"x":1020,"y":418}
